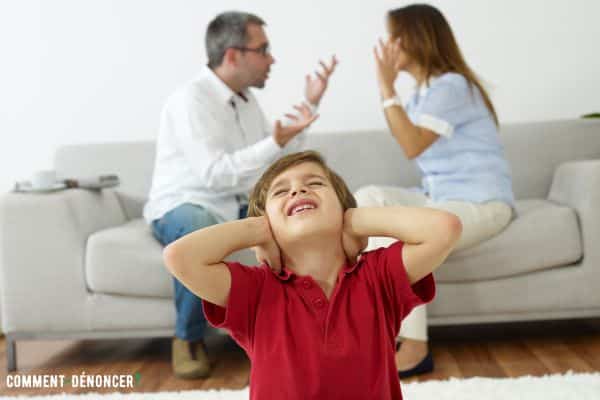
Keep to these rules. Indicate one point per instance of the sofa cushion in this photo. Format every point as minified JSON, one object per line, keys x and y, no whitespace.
{"x":566,"y":140}
{"x":127,"y":260}
{"x":544,"y":235}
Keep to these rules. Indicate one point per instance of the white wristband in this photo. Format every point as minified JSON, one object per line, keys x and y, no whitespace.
{"x":392,"y":101}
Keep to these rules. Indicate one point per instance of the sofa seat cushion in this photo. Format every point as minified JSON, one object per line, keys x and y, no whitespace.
{"x":544,"y":235}
{"x":127,"y":260}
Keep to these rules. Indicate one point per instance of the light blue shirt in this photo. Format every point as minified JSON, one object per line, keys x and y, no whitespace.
{"x":466,"y":162}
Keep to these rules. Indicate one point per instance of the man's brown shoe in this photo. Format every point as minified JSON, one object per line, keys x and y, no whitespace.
{"x":187,"y":363}
{"x":200,"y":353}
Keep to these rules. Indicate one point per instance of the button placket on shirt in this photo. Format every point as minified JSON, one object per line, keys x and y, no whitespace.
{"x":333,"y":340}
{"x":318,"y":303}
{"x":314,"y":296}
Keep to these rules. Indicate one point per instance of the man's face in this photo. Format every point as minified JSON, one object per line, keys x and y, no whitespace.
{"x":302,"y":202}
{"x":254,"y":64}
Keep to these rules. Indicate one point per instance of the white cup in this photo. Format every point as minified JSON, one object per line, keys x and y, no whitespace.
{"x":43,"y":179}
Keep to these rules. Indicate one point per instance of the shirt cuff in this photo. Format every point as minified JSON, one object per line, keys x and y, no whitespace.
{"x":296,"y":144}
{"x":424,"y":290}
{"x":267,"y":149}
{"x":392,"y":101}
{"x":436,"y":125}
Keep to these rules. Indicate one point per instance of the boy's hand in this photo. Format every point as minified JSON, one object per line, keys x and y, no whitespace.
{"x":268,"y":252}
{"x":352,"y":243}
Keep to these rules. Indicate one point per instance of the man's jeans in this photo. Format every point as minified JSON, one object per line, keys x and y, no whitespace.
{"x":186,"y":218}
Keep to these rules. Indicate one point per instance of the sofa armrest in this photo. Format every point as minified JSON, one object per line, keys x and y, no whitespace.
{"x":577,"y":184}
{"x":42,"y":250}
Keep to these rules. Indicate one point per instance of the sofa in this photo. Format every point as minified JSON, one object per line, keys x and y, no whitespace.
{"x":81,"y":264}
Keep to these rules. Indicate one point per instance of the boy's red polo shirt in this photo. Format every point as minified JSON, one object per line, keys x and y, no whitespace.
{"x":303,"y":346}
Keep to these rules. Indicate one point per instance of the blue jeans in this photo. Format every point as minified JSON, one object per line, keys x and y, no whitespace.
{"x":186,"y":218}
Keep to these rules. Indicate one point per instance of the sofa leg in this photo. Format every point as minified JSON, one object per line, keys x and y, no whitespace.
{"x":11,"y":354}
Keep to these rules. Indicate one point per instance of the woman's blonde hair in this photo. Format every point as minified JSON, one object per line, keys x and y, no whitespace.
{"x":427,"y":38}
{"x":258,"y":197}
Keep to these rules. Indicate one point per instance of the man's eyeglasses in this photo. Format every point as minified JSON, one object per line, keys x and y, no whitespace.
{"x":263,"y":50}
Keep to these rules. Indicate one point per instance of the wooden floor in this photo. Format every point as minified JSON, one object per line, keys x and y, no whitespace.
{"x":498,"y":350}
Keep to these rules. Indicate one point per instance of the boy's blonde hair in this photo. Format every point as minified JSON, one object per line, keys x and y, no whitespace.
{"x":258,"y":197}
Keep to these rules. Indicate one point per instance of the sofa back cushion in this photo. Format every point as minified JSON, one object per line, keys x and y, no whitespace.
{"x":533,"y":150}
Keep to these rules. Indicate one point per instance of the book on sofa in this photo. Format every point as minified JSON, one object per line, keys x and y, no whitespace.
{"x":93,"y":183}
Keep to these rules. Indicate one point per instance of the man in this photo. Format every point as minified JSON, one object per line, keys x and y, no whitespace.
{"x":213,"y":144}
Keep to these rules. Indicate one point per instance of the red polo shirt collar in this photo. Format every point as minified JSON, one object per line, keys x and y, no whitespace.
{"x":287,"y":274}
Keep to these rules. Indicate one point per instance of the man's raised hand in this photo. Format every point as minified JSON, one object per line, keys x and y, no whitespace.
{"x":315,"y":87}
{"x":298,"y":122}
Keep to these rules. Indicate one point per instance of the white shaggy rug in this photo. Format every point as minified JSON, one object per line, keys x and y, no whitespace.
{"x":551,"y":387}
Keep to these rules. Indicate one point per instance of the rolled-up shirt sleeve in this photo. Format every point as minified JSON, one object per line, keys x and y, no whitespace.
{"x":295,"y":145}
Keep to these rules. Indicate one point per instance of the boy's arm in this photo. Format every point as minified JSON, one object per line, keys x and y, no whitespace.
{"x":428,"y":234}
{"x":196,"y":260}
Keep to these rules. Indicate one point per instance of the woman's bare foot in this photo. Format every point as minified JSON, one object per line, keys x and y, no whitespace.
{"x":410,"y":354}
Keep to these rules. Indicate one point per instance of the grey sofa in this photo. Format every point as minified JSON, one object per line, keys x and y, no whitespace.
{"x":83,"y":264}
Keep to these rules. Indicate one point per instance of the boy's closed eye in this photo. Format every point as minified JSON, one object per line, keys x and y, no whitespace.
{"x":279,"y":192}
{"x":285,"y":190}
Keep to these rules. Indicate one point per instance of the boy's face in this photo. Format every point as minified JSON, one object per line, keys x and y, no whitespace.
{"x":302,"y":202}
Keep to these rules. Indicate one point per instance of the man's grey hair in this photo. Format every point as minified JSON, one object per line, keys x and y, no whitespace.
{"x":227,"y":30}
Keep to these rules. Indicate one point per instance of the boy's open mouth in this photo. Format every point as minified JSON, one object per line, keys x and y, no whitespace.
{"x":301,"y":206}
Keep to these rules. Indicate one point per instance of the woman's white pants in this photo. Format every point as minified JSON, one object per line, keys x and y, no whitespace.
{"x":480,"y":222}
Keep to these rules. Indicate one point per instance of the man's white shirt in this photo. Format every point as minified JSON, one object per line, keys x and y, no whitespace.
{"x":212,"y":147}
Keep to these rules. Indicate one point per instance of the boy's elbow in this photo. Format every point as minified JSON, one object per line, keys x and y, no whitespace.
{"x":452,"y":228}
{"x":172,"y":258}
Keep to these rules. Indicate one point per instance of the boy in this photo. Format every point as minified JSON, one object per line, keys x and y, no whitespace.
{"x":315,"y":322}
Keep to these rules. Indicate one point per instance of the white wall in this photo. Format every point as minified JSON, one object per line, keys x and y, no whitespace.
{"x":79,"y":71}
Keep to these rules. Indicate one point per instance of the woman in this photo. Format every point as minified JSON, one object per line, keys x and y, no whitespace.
{"x":449,"y":127}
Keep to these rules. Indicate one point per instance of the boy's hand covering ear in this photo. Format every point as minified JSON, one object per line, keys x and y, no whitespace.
{"x":268,"y":252}
{"x":353,"y":244}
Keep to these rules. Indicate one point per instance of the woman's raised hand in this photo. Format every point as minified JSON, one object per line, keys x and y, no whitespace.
{"x":387,"y":56}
